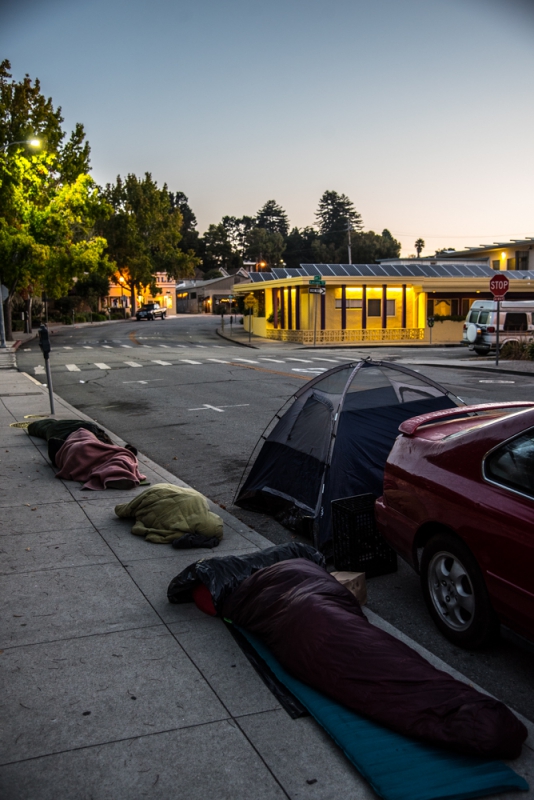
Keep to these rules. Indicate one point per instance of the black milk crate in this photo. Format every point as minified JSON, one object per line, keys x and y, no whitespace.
{"x":357,"y":544}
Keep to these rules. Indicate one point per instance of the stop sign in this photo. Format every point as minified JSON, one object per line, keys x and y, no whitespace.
{"x":499,"y":285}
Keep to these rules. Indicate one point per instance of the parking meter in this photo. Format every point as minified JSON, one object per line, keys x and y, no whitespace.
{"x":44,"y":344}
{"x":430,"y":322}
{"x":44,"y":341}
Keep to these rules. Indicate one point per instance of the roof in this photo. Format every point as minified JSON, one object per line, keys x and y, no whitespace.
{"x":419,"y":269}
{"x":528,"y":242}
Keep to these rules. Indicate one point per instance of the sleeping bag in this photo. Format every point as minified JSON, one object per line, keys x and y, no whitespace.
{"x":98,"y":465}
{"x":315,"y":628}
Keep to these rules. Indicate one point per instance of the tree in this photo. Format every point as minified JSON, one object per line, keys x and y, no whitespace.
{"x":190,"y":236}
{"x":300,"y":247}
{"x":335,"y":214}
{"x":49,"y":203}
{"x":419,"y":245}
{"x":217,"y":248}
{"x":236,"y":229}
{"x":273,"y":218}
{"x":262,"y":245}
{"x":143,"y":233}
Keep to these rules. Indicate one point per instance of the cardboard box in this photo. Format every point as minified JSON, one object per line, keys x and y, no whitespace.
{"x":355,"y":583}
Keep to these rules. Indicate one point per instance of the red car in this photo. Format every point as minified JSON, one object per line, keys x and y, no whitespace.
{"x":458,"y":506}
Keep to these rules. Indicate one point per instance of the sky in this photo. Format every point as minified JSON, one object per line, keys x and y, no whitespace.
{"x":421,"y":111}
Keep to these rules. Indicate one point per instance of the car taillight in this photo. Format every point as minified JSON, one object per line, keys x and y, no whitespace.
{"x":491,"y":329}
{"x":465,"y":327}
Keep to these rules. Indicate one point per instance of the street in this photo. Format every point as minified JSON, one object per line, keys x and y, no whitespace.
{"x":197,"y":405}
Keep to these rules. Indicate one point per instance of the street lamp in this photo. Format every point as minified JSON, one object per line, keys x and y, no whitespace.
{"x":121,"y":281}
{"x":3,"y":149}
{"x":31,"y":142}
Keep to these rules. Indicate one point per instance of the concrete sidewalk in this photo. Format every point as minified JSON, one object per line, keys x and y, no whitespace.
{"x":112,"y":693}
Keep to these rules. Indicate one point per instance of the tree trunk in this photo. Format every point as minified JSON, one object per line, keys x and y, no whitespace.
{"x":8,"y":320}
{"x":132,"y":296}
{"x":28,"y":312}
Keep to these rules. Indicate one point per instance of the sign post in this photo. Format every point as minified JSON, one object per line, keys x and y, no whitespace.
{"x":44,"y":344}
{"x":499,"y":285}
{"x":317,"y":286}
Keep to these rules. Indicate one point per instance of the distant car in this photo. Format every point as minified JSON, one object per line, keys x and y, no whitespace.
{"x":458,"y":506}
{"x":516,"y":324}
{"x":151,"y":311}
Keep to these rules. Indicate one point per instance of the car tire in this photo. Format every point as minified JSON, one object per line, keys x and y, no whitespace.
{"x":455,"y":593}
{"x":481,"y":351}
{"x":163,"y":315}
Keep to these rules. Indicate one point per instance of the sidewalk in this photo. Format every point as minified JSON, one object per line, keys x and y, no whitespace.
{"x":111,"y":693}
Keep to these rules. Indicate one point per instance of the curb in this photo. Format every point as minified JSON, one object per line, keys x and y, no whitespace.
{"x":444,"y":365}
{"x":234,"y":341}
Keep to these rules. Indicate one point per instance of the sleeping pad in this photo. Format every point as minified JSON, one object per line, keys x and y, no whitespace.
{"x":315,"y":628}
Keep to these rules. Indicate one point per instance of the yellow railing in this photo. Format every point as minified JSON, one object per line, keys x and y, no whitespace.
{"x":367,"y":335}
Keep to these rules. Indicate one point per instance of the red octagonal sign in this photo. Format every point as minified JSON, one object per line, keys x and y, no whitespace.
{"x":499,"y":285}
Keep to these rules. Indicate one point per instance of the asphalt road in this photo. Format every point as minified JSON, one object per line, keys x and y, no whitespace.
{"x":197,"y":404}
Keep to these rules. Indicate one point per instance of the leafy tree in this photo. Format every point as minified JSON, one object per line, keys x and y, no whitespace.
{"x":369,"y":247}
{"x":91,"y":288}
{"x":143,"y":233}
{"x":273,"y":218}
{"x":300,"y":247}
{"x":237,"y":229}
{"x":48,"y":202}
{"x":212,"y":274}
{"x":190,"y":236}
{"x":419,"y":246}
{"x":446,"y":250}
{"x":218,"y":250}
{"x":335,"y":214}
{"x":262,"y":245}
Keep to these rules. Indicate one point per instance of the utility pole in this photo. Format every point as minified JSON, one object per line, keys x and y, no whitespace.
{"x":349,"y":228}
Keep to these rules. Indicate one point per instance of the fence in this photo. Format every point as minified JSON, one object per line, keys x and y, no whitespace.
{"x":362,"y":335}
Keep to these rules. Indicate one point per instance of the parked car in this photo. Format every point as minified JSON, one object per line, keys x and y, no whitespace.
{"x":151,"y":311}
{"x":516,"y":324}
{"x":458,"y":506}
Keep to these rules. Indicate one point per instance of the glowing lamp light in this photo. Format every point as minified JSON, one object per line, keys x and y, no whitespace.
{"x":34,"y":143}
{"x":503,"y":255}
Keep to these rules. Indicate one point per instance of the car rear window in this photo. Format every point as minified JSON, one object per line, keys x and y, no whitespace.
{"x":483,"y":318}
{"x":473,"y":316}
{"x":512,"y":465}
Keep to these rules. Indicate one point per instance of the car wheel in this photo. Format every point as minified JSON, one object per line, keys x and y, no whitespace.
{"x":455,"y":592}
{"x":163,"y":315}
{"x":481,"y":351}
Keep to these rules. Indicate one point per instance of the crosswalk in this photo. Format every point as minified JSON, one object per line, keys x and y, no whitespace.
{"x":313,"y":365}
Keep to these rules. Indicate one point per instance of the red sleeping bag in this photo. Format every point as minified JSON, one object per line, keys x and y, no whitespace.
{"x":316,"y":629}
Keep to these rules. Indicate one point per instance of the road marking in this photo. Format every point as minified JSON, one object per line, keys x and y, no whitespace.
{"x":107,"y":346}
{"x":86,"y":347}
{"x":152,"y":380}
{"x":495,"y":381}
{"x":274,"y":360}
{"x":199,"y":345}
{"x":39,"y":370}
{"x":100,"y":365}
{"x":72,"y":368}
{"x":247,"y":360}
{"x":188,"y":361}
{"x":303,"y":360}
{"x":314,"y":370}
{"x":164,"y":345}
{"x":180,"y":345}
{"x":132,"y":364}
{"x":163,"y":363}
{"x":206,"y":406}
{"x":27,"y":349}
{"x":218,"y":360}
{"x":330,"y":360}
{"x":127,"y":345}
{"x":67,"y":348}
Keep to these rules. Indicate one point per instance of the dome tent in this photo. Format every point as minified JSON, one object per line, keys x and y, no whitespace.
{"x":331,"y":440}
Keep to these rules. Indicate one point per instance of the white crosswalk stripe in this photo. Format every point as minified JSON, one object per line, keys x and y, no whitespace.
{"x":86,"y":347}
{"x":302,"y":360}
{"x":330,"y":360}
{"x":72,"y":368}
{"x":188,"y":361}
{"x":163,"y":363}
{"x":127,"y":345}
{"x":247,"y":360}
{"x":133,"y":364}
{"x":107,"y":346}
{"x":274,"y":360}
{"x":100,"y":365}
{"x":218,"y":360}
{"x":67,"y":348}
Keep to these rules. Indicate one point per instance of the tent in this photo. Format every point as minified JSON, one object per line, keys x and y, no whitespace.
{"x":333,"y":441}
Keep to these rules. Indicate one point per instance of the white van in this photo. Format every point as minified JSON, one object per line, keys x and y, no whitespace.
{"x":516,"y":324}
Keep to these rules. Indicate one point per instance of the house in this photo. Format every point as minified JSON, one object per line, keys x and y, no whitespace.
{"x":197,"y":297}
{"x":120,"y":297}
{"x":386,"y":303}
{"x":517,"y":254}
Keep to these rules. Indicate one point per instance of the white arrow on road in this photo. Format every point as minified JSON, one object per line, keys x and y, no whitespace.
{"x":207,"y":406}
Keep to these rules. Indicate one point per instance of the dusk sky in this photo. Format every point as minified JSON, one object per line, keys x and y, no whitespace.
{"x":421,"y":111}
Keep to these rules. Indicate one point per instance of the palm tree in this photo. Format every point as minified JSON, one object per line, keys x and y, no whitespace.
{"x":419,"y":245}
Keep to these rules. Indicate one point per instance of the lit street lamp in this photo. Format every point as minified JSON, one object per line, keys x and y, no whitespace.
{"x":3,"y":149}
{"x":121,"y":281}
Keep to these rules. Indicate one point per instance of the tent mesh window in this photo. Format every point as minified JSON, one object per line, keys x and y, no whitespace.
{"x":357,"y":544}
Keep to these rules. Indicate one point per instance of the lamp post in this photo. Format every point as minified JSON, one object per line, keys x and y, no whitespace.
{"x":3,"y":149}
{"x":121,"y":281}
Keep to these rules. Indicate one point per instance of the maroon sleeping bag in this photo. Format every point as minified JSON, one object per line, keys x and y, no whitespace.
{"x":316,"y":629}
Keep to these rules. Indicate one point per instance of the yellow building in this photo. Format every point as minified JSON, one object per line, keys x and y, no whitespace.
{"x":388,"y":302}
{"x":165,"y":295}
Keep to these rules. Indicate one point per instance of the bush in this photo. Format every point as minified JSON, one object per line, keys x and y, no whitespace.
{"x":515,"y":351}
{"x":99,"y":317}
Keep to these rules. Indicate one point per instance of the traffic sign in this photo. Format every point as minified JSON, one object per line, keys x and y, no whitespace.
{"x":317,"y":290}
{"x":499,"y":285}
{"x":317,"y":281}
